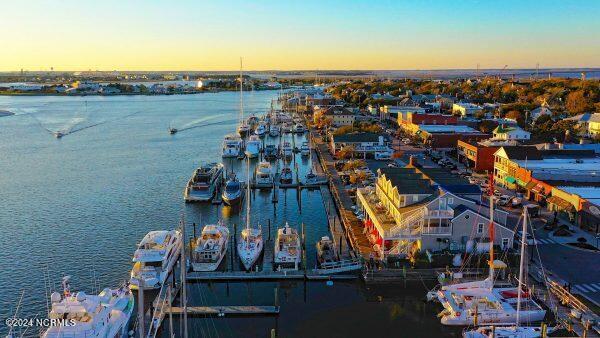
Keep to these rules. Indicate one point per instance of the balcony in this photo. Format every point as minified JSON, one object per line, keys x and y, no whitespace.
{"x":437,"y":230}
{"x":443,"y":213}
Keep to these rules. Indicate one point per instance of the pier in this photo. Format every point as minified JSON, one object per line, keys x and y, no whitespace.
{"x":225,"y":310}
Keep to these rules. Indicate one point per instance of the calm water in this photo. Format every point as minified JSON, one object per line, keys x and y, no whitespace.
{"x":78,"y":205}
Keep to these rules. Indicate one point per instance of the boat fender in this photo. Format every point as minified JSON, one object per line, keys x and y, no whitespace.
{"x":329,"y":283}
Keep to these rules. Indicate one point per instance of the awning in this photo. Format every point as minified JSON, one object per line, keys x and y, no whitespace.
{"x":530,"y":185}
{"x":510,"y":179}
{"x":560,"y":203}
{"x":539,"y":188}
{"x":521,"y":183}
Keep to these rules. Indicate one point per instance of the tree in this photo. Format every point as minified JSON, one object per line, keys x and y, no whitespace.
{"x":487,"y":126}
{"x":358,"y":177}
{"x":345,"y":152}
{"x":355,"y":164}
{"x":578,"y":102}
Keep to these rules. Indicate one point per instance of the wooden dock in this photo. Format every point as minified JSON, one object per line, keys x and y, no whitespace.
{"x":268,"y":253}
{"x":236,"y":310}
{"x":313,"y":274}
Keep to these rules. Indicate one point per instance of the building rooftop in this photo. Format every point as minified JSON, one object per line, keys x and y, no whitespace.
{"x":357,"y":137}
{"x":448,"y":129}
{"x":589,"y":193}
{"x":587,"y":117}
{"x":407,"y":181}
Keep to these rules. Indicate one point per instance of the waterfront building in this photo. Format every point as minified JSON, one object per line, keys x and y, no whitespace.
{"x":407,"y":211}
{"x":339,"y":115}
{"x":86,"y":85}
{"x":364,"y":144}
{"x":407,"y":118}
{"x":506,"y":133}
{"x":465,"y":109}
{"x":392,"y":113}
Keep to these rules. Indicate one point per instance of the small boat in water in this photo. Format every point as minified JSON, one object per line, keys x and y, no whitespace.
{"x":250,"y":245}
{"x":172,"y":130}
{"x":305,"y":149}
{"x":232,"y":194}
{"x":299,"y":128}
{"x":261,"y":130}
{"x":81,"y":315}
{"x":286,"y":150}
{"x":287,"y":128}
{"x":312,"y":179}
{"x":270,"y":152}
{"x":210,"y":247}
{"x":58,"y":134}
{"x":287,"y":248}
{"x":253,"y":146}
{"x":326,"y":252}
{"x":252,"y":120}
{"x":204,"y":182}
{"x":263,"y":174}
{"x":286,"y":176}
{"x":274,"y":130}
{"x":154,"y":258}
{"x":243,"y":129}
{"x":232,"y":146}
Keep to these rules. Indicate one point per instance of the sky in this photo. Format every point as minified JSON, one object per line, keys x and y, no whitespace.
{"x":297,"y":35}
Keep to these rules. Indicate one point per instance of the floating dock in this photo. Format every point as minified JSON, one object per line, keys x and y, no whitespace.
{"x":225,"y":310}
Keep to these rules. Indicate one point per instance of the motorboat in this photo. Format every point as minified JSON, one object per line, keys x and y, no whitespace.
{"x":172,"y":130}
{"x":286,"y":150}
{"x":252,"y":120}
{"x":210,"y":247}
{"x":81,"y":315}
{"x":232,"y":146}
{"x":270,"y":152}
{"x":286,"y":176}
{"x":253,"y":146}
{"x":243,"y":129}
{"x":305,"y":149}
{"x":274,"y":130}
{"x":299,"y":128}
{"x":232,"y":194}
{"x":204,"y":183}
{"x":263,"y":175}
{"x":326,"y":252}
{"x":58,"y":134}
{"x":286,"y":128}
{"x":154,"y":258}
{"x":261,"y":130}
{"x":287,"y":248}
{"x":250,"y":245}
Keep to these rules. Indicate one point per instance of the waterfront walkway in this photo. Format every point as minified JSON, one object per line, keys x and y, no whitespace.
{"x":353,"y":227}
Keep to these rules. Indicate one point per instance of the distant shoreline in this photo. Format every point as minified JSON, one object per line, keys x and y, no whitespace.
{"x":120,"y":94}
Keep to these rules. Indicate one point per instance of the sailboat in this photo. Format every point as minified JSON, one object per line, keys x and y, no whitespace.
{"x":243,"y":129}
{"x":515,"y":331}
{"x":250,"y":245}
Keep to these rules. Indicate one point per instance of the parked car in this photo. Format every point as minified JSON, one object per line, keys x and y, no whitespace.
{"x":504,"y":200}
{"x":529,"y":240}
{"x":497,"y":193}
{"x":516,"y":201}
{"x":533,"y":210}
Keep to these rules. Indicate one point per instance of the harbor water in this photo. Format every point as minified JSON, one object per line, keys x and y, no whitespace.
{"x":77,"y":205}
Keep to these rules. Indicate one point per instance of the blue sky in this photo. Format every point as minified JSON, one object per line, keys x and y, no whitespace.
{"x":309,"y":34}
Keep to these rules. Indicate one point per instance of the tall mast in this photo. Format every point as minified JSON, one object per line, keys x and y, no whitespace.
{"x":521,"y":264}
{"x":248,"y":193}
{"x":491,"y":228}
{"x":241,"y":93}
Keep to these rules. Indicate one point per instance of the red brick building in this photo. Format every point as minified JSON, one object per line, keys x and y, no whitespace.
{"x":477,"y":156}
{"x":426,"y":118}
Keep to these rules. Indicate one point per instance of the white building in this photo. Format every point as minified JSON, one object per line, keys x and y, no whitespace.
{"x":465,"y":109}
{"x":511,"y":133}
{"x":539,"y":111}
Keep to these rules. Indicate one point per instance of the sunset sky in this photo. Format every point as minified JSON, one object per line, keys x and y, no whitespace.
{"x":284,"y":35}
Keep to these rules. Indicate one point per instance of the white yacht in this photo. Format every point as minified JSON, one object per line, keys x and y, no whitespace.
{"x":286,"y":150}
{"x":305,"y":149}
{"x":261,"y":129}
{"x":326,"y":252}
{"x":232,"y":146}
{"x":286,"y":176}
{"x":286,"y":128}
{"x":232,"y":193}
{"x":507,"y":332}
{"x":253,"y":146}
{"x":243,"y":129}
{"x":299,"y":128}
{"x":250,"y":245}
{"x":263,"y":174}
{"x":274,"y":130}
{"x":154,"y":258}
{"x":252,"y":120}
{"x":204,"y":182}
{"x":287,"y":248}
{"x":80,"y":315}
{"x":312,"y":179}
{"x":210,"y":247}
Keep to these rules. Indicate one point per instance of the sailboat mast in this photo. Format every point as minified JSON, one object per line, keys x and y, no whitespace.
{"x":521,"y":264}
{"x":241,"y":94}
{"x":491,"y":227}
{"x":248,"y":194}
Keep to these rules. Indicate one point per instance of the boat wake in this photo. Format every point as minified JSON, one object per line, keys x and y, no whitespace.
{"x":72,"y":126}
{"x":208,"y":124}
{"x":197,"y":121}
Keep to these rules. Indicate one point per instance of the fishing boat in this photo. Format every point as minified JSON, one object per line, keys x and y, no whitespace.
{"x":286,"y":150}
{"x":253,"y":146}
{"x":250,"y":245}
{"x":154,"y":258}
{"x":81,"y":315}
{"x":326,"y":252}
{"x":299,"y":128}
{"x":274,"y":130}
{"x":270,"y":152}
{"x":210,"y":247}
{"x":261,"y":130}
{"x":287,"y":248}
{"x":516,"y":330}
{"x":286,"y":176}
{"x":204,"y":183}
{"x":305,"y":149}
{"x":232,"y":194}
{"x":232,"y":146}
{"x":263,"y":174}
{"x":286,"y":128}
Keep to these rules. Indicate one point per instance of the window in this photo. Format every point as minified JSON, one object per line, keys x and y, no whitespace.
{"x":415,"y":198}
{"x":450,"y":200}
{"x":442,"y":203}
{"x":480,"y":228}
{"x":504,"y":243}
